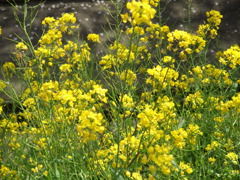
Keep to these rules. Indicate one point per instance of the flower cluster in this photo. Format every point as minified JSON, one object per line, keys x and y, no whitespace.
{"x":230,"y":57}
{"x":8,"y":68}
{"x":210,"y":28}
{"x":93,"y":38}
{"x":141,"y":12}
{"x":185,"y":43}
{"x":162,"y":77}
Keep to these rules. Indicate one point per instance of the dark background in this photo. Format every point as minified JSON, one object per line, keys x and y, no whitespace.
{"x":91,"y":17}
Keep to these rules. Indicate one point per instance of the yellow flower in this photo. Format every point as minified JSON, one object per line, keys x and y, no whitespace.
{"x":93,"y":38}
{"x":2,"y":85}
{"x":212,"y":146}
{"x":230,"y":57}
{"x":48,"y":21}
{"x":58,"y":53}
{"x":193,"y":131}
{"x":154,"y":2}
{"x":125,"y":17}
{"x":180,"y":137}
{"x":65,"y":96}
{"x":152,"y":169}
{"x":8,"y":68}
{"x":167,"y":59}
{"x":21,"y":46}
{"x":6,"y":172}
{"x":108,"y":61}
{"x":233,"y":157}
{"x":195,"y":100}
{"x":69,"y":157}
{"x":214,"y":18}
{"x":151,"y":177}
{"x":90,"y":125}
{"x":45,"y":173}
{"x":52,"y":36}
{"x":218,"y":119}
{"x":37,"y":168}
{"x":68,"y":17}
{"x":185,"y":167}
{"x":185,"y":43}
{"x":128,"y":76}
{"x":210,"y":28}
{"x":66,"y":68}
{"x":41,"y":143}
{"x":136,"y":176}
{"x":148,"y":117}
{"x":162,"y":77}
{"x":141,"y":12}
{"x":127,"y":101}
{"x":128,"y":174}
{"x":144,"y":159}
{"x":211,"y":160}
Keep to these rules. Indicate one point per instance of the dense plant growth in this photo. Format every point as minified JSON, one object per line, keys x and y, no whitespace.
{"x":153,"y":106}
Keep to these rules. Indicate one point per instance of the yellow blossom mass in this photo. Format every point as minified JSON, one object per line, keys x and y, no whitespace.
{"x":150,"y":105}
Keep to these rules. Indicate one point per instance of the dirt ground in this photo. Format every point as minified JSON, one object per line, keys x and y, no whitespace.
{"x":91,"y":17}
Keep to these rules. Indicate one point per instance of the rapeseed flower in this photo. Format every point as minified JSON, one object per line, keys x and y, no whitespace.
{"x":157,"y":32}
{"x":185,"y":43}
{"x":61,"y":23}
{"x":161,"y":156}
{"x":212,"y":160}
{"x":7,"y":172}
{"x":93,"y":38}
{"x":162,"y":77}
{"x":52,"y":36}
{"x":230,"y":57}
{"x":107,"y":61}
{"x":66,"y":68}
{"x":65,"y":97}
{"x":136,"y":29}
{"x":214,"y":18}
{"x":210,"y":28}
{"x":149,"y":117}
{"x":185,"y":168}
{"x":128,"y":76}
{"x":195,"y":100}
{"x":2,"y":85}
{"x":49,"y":21}
{"x":212,"y":146}
{"x":168,"y":59}
{"x":127,"y":101}
{"x":141,"y":12}
{"x":233,"y":157}
{"x":136,"y":176}
{"x":21,"y":46}
{"x":90,"y":123}
{"x":141,"y":117}
{"x":179,"y":137}
{"x":154,"y":2}
{"x":8,"y":68}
